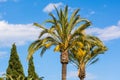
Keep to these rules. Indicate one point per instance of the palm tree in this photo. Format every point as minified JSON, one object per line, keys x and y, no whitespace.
{"x":64,"y":33}
{"x":87,"y":54}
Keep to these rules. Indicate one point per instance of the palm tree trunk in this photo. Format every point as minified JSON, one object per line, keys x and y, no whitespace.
{"x":81,"y":71}
{"x":82,"y":79}
{"x":64,"y":62}
{"x":64,"y":71}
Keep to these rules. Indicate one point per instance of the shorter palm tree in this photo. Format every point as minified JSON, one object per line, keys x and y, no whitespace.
{"x":87,"y":54}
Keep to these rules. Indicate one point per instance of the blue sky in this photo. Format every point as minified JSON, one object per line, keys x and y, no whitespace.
{"x":17,"y":17}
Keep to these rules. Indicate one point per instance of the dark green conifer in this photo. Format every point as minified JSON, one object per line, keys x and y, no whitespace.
{"x":15,"y":69}
{"x":31,"y":70}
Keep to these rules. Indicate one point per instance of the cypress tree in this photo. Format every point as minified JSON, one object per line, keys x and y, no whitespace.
{"x":31,"y":70}
{"x":15,"y":69}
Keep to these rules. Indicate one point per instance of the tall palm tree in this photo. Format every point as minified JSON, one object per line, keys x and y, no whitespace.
{"x":64,"y":33}
{"x":87,"y":54}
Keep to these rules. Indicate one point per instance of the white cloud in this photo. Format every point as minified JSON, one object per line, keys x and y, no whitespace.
{"x":90,"y":76}
{"x":50,"y":7}
{"x":90,"y":13}
{"x":23,"y":33}
{"x":107,"y":33}
{"x":1,"y":73}
{"x":2,"y":54}
{"x":71,"y":9}
{"x":73,"y":74}
{"x":17,"y":33}
{"x":3,"y":0}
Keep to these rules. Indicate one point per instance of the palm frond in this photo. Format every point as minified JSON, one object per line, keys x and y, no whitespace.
{"x":58,"y":30}
{"x":66,"y":12}
{"x":73,"y":15}
{"x":83,"y":27}
{"x":43,"y":51}
{"x":73,"y":60}
{"x":53,"y":17}
{"x":43,"y":32}
{"x":33,"y":47}
{"x":57,"y":48}
{"x":58,"y":14}
{"x":38,"y":25}
{"x":72,"y":20}
{"x":50,"y":21}
{"x":52,"y":39}
{"x":93,"y":61}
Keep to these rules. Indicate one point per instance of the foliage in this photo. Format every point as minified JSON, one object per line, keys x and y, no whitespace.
{"x":92,"y":47}
{"x":15,"y":69}
{"x":63,"y":33}
{"x":1,"y":78}
{"x":31,"y":70}
{"x":88,"y":54}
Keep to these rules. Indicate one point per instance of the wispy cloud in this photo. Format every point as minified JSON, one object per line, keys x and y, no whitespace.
{"x":107,"y":33}
{"x":90,"y":76}
{"x":17,"y":33}
{"x":50,"y":7}
{"x":73,"y":74}
{"x":8,"y":0}
{"x":2,"y":54}
{"x":2,"y":73}
{"x":92,"y":12}
{"x":3,"y":0}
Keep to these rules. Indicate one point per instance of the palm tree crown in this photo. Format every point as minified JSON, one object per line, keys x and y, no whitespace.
{"x":87,"y":54}
{"x":61,"y":32}
{"x":64,"y":34}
